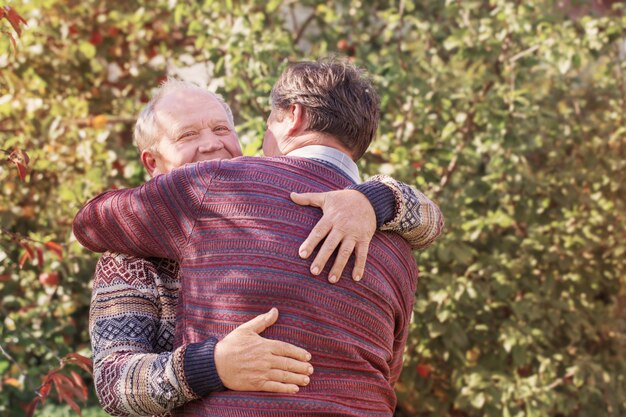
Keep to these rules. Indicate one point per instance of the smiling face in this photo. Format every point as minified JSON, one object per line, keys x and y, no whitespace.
{"x":193,"y":127}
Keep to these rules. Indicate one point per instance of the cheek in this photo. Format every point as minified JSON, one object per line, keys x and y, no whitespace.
{"x":233,"y":146}
{"x":184,"y":153}
{"x":269,"y":144}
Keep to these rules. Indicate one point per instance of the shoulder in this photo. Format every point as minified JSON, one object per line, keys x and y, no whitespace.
{"x":287,"y":167}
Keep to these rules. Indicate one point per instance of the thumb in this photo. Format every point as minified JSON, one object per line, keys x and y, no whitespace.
{"x":308,"y":199}
{"x":261,"y":322}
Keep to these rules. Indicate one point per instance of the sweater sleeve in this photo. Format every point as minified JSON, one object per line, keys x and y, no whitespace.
{"x":404,"y":210}
{"x":131,"y":324}
{"x":155,"y":219}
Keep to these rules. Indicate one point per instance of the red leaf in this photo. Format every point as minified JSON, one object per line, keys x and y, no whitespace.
{"x":28,"y":248}
{"x":25,"y":256}
{"x":67,"y":391}
{"x":12,"y":39}
{"x":80,"y":383}
{"x":5,"y":278}
{"x":423,"y":370}
{"x":18,"y":156}
{"x":40,"y":258}
{"x":15,"y":19}
{"x":73,"y":405}
{"x":80,"y":360}
{"x":45,"y":390}
{"x":21,"y":171}
{"x":96,"y":38}
{"x":32,"y":406}
{"x":46,"y":385}
{"x":56,"y":248}
{"x":68,"y":386}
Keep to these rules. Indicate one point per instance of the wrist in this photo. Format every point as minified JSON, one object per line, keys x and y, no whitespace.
{"x":199,"y":367}
{"x":381,"y":198}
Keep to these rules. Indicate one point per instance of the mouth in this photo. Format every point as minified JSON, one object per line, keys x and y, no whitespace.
{"x":216,"y":156}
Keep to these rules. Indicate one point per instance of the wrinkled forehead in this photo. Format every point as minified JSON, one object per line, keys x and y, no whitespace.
{"x":184,"y":108}
{"x":190,"y":102}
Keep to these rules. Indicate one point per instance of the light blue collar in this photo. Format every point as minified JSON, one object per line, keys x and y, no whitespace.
{"x":332,"y":156}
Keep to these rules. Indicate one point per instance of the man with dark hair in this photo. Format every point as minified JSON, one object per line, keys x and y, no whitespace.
{"x":233,"y":228}
{"x":350,"y":119}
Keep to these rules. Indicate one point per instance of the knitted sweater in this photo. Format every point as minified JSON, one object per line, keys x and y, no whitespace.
{"x":131,"y":324}
{"x":410,"y":210}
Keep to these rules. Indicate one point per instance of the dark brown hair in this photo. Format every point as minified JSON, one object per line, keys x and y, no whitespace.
{"x":338,"y":99}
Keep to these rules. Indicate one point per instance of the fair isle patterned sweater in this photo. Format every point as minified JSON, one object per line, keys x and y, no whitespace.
{"x":133,"y":315}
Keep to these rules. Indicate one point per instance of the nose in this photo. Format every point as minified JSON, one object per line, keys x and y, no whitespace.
{"x":211,"y":145}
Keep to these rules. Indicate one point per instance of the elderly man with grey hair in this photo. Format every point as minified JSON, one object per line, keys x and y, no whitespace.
{"x":133,"y":313}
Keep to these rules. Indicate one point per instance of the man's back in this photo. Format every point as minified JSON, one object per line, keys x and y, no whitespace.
{"x":241,"y":259}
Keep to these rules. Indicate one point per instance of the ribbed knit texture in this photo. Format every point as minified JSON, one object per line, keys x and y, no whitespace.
{"x":200,"y":369}
{"x":132,"y":319}
{"x":236,"y":233}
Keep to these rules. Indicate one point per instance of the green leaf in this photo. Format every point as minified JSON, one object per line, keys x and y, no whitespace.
{"x":87,"y":49}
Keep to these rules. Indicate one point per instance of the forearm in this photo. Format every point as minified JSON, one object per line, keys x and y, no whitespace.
{"x":142,"y":384}
{"x":415,"y":217}
{"x":131,"y":326}
{"x":152,"y":220}
{"x":109,"y":222}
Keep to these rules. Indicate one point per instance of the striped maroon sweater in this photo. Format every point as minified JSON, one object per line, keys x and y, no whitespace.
{"x":236,"y":233}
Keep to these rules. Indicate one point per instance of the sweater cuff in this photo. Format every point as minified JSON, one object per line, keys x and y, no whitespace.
{"x":199,"y":368}
{"x":381,"y":198}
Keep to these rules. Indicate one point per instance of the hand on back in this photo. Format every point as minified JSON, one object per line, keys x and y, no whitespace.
{"x":348,"y":225}
{"x":245,"y":361}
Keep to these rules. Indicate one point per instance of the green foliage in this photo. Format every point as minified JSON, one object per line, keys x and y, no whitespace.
{"x":509,"y":114}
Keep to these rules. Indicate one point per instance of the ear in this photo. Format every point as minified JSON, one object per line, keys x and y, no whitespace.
{"x":296,"y":116}
{"x":149,"y":161}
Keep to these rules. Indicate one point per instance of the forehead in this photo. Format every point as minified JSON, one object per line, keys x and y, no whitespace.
{"x":189,"y":106}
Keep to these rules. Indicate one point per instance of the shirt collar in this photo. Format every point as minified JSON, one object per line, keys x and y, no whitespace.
{"x":332,"y":156}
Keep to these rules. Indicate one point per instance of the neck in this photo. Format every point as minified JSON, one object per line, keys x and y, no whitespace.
{"x":313,"y":138}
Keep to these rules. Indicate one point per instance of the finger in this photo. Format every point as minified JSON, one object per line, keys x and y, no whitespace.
{"x":284,"y":377}
{"x":261,"y":322}
{"x":328,"y":247}
{"x":343,"y":254}
{"x":359,"y":263}
{"x":288,"y":350}
{"x":272,"y":386}
{"x":308,"y":199}
{"x":282,"y":363}
{"x":318,"y":233}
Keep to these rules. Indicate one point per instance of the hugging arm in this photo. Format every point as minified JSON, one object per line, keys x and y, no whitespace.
{"x":417,"y":219}
{"x":131,"y":326}
{"x":352,"y":216}
{"x":155,"y":219}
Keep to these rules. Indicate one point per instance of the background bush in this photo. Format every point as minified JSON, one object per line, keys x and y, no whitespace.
{"x":509,"y":114}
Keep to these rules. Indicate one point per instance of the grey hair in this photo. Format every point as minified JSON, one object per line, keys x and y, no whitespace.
{"x":147,"y":131}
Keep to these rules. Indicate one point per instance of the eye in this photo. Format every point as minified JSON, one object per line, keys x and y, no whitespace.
{"x":187,"y":134}
{"x":221,"y":129}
